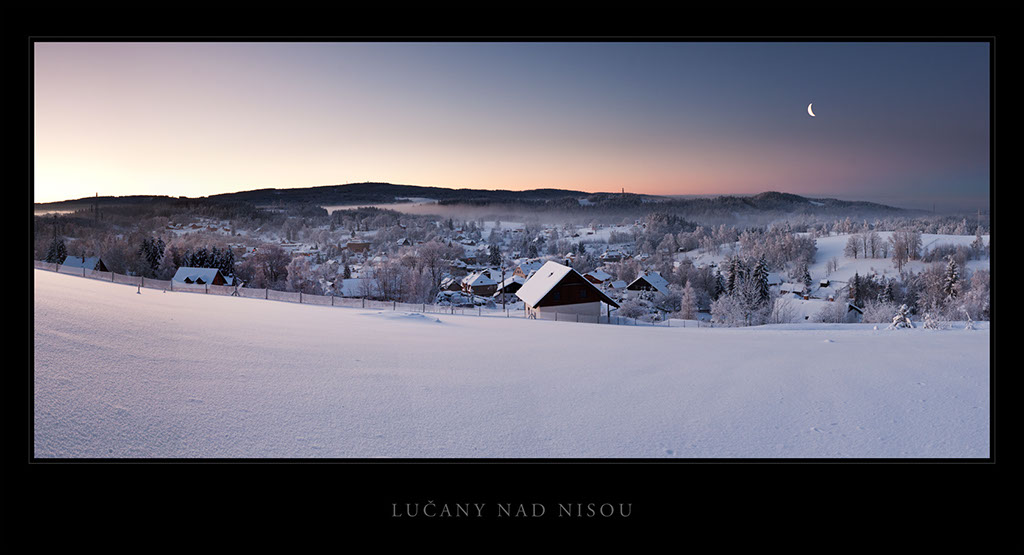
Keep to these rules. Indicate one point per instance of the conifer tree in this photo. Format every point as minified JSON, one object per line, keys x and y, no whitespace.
{"x":951,"y":283}
{"x":57,"y":251}
{"x":761,"y":283}
{"x":885,"y":296}
{"x":901,"y":319}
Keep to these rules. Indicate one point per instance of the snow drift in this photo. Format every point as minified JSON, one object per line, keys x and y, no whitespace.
{"x":181,"y":375}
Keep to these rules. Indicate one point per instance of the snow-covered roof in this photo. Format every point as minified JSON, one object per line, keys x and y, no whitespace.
{"x":510,"y":280}
{"x":351,"y":287}
{"x":195,"y":274}
{"x":654,"y":279}
{"x":76,"y":262}
{"x":599,"y":275}
{"x":618,"y":284}
{"x":478,"y":279}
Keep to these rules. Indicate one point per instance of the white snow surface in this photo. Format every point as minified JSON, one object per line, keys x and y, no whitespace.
{"x":125,"y":374}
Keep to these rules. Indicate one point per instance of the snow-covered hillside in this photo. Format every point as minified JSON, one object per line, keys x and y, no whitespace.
{"x":153,"y":374}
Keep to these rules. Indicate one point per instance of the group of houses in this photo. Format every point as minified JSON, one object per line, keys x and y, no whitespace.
{"x":184,"y":275}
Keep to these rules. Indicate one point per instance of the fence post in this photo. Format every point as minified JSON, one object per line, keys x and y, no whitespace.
{"x":83,"y":271}
{"x":143,"y":278}
{"x":364,"y":302}
{"x":556,"y":315}
{"x":300,"y":297}
{"x":394,"y":305}
{"x":112,"y":278}
{"x":266,"y":293}
{"x":207,"y":287}
{"x":332,"y":300}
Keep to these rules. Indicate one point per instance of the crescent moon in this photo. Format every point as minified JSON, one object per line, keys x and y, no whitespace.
{"x":809,"y":109}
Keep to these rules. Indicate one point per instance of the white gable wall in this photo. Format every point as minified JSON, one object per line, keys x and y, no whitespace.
{"x":583,"y":309}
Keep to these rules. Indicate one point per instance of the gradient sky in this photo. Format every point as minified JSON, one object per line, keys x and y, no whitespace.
{"x":901,"y":123}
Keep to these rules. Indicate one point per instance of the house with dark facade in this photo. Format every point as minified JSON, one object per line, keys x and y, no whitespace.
{"x":649,"y":281}
{"x":555,"y":288}
{"x":479,"y":283}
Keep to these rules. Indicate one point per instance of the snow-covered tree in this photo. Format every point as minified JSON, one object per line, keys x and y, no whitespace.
{"x":831,"y":313}
{"x":853,"y":246}
{"x":951,"y":283}
{"x":878,"y":312}
{"x":728,"y":310}
{"x":885,"y":295}
{"x":805,"y":274}
{"x":901,"y":319}
{"x":930,"y":322}
{"x":631,"y":308}
{"x":300,"y":276}
{"x":688,"y":304}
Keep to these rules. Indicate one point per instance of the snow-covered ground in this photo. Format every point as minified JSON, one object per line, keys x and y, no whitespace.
{"x":124,"y":374}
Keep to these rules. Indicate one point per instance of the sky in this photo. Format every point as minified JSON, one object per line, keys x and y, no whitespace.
{"x":904,"y":123}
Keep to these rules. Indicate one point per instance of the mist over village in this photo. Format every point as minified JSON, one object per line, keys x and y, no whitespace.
{"x":662,"y":266}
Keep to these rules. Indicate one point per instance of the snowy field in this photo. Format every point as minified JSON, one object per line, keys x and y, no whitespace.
{"x":181,"y":375}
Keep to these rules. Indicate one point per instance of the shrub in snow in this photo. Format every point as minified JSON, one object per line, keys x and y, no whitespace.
{"x":831,"y":313}
{"x":783,"y":311}
{"x":878,"y":312}
{"x":631,"y":309}
{"x":901,"y":319}
{"x":930,"y":323}
{"x":728,"y":310}
{"x":970,"y":323}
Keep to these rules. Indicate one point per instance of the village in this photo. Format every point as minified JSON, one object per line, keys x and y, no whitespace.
{"x":655,"y":269}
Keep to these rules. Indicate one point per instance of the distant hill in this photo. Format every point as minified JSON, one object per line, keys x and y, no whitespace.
{"x":721,"y":208}
{"x":354,"y":193}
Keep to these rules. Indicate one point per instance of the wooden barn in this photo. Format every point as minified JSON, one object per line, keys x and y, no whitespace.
{"x":558,"y":288}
